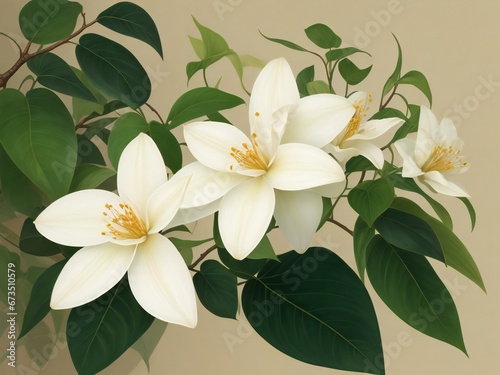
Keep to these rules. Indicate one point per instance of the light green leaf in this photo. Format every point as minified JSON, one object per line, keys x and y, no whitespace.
{"x":394,"y":77}
{"x":214,"y":43}
{"x":286,"y":43}
{"x":470,"y":208}
{"x":417,"y":79}
{"x":340,"y":53}
{"x":249,"y":60}
{"x":317,"y":87}
{"x":323,"y":36}
{"x":90,"y":176}
{"x":146,"y":345}
{"x":264,"y":250}
{"x":371,"y":198}
{"x":198,"y":47}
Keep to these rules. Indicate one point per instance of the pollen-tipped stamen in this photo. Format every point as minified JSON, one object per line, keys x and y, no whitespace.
{"x":444,"y":159}
{"x":251,"y":157}
{"x":123,"y":223}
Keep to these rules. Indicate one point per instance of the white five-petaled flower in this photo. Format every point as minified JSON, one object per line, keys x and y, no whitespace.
{"x":434,"y":155}
{"x":119,"y":233}
{"x":260,"y":176}
{"x":358,"y":137}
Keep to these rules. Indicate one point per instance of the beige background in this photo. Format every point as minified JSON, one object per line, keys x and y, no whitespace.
{"x":455,"y":44}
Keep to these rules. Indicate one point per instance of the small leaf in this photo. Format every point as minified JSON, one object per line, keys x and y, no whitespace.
{"x":359,"y":164}
{"x":305,"y":76}
{"x":245,"y":268}
{"x":361,"y":237}
{"x":198,"y":47}
{"x":113,"y":70}
{"x":351,"y":73}
{"x":200,"y":102}
{"x":394,"y":77}
{"x":130,"y":19}
{"x":214,"y":43}
{"x":90,"y":176}
{"x":39,"y":302}
{"x":323,"y":36}
{"x":263,"y":250}
{"x":409,"y":286}
{"x":44,"y":23}
{"x":410,"y":125}
{"x":470,"y":208}
{"x":286,"y":43}
{"x":167,"y":144}
{"x":417,"y":79}
{"x":56,"y":74}
{"x":318,"y":87}
{"x":216,"y":288}
{"x":371,"y":198}
{"x":101,"y":331}
{"x":340,"y":53}
{"x":314,"y":308}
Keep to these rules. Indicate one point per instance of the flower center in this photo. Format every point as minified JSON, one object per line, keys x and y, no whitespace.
{"x":123,"y":222}
{"x":251,"y":156}
{"x":443,"y":159}
{"x":356,"y":119}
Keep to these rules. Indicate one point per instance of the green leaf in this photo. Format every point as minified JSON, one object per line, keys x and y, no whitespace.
{"x":101,"y":331}
{"x":214,"y":43}
{"x":351,"y":73}
{"x":317,"y":87}
{"x":200,"y":102}
{"x":410,"y":287}
{"x":470,"y":208}
{"x":42,"y":22}
{"x":417,"y":79}
{"x":149,"y":340}
{"x":88,"y":152}
{"x":314,"y":308}
{"x":56,"y":74}
{"x":361,"y":237}
{"x":198,"y":47}
{"x":130,"y":19}
{"x":263,"y":250}
{"x":245,"y":268}
{"x":359,"y":164}
{"x":167,"y":144}
{"x":6,"y":210}
{"x":409,"y":232}
{"x":371,"y":198}
{"x":323,"y":36}
{"x":90,"y":176}
{"x":394,"y":77}
{"x":39,"y":302}
{"x":305,"y":76}
{"x":340,"y":53}
{"x":17,"y":189}
{"x":113,"y":70}
{"x":37,"y":132}
{"x":216,"y":288}
{"x":32,"y":242}
{"x":455,"y":253}
{"x":286,"y":43}
{"x":126,"y":128}
{"x":410,"y":125}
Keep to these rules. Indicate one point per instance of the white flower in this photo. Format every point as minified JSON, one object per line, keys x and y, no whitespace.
{"x":357,"y":138}
{"x":434,"y":155}
{"x":260,"y":176}
{"x":120,"y":234}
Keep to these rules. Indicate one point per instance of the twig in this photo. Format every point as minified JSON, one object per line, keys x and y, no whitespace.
{"x":155,"y":111}
{"x":340,"y":225}
{"x":202,"y":256}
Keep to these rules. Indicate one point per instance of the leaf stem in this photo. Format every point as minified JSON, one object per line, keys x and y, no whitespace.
{"x":340,"y":225}
{"x":202,"y":256}
{"x":155,"y":111}
{"x":382,"y":106}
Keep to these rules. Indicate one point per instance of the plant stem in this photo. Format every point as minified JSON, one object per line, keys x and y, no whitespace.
{"x":382,"y":106}
{"x":202,"y":256}
{"x":340,"y":225}
{"x":155,"y":111}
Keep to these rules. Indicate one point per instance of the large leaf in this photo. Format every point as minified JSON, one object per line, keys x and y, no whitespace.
{"x":455,"y":253}
{"x":168,"y":145}
{"x":37,"y":132}
{"x":130,"y":19}
{"x":410,"y":287}
{"x":370,"y":198}
{"x":409,"y":232}
{"x":417,"y":79}
{"x":45,"y":22}
{"x":323,"y":36}
{"x":113,"y":69}
{"x":314,"y":308}
{"x":90,"y":176}
{"x":361,"y":237}
{"x":39,"y":302}
{"x":200,"y":102}
{"x":100,"y":331}
{"x":216,"y":288}
{"x":56,"y":74}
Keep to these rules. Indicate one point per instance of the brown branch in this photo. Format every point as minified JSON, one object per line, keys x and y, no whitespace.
{"x":340,"y":225}
{"x":155,"y":111}
{"x":202,"y":256}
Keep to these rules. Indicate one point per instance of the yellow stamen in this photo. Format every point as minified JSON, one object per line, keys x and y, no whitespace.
{"x":251,"y":157}
{"x":123,"y":222}
{"x":443,"y":159}
{"x":357,"y":118}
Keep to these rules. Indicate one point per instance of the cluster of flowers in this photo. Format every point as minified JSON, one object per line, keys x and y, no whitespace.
{"x":282,"y":169}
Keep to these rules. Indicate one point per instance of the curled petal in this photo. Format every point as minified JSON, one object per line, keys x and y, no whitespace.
{"x":375,"y":128}
{"x":90,"y":273}
{"x":161,"y":282}
{"x":441,"y":185}
{"x":244,"y":215}
{"x":365,"y":148}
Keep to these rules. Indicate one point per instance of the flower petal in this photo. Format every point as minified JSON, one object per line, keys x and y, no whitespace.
{"x":406,"y":148}
{"x":367,"y":149}
{"x":298,"y":214}
{"x":274,"y":88}
{"x":77,"y":219}
{"x":375,"y":128}
{"x":318,"y":119}
{"x":90,"y":273}
{"x":299,"y":166}
{"x":164,"y":203}
{"x":330,"y":190}
{"x":359,"y":98}
{"x":211,"y":143}
{"x":441,"y":185}
{"x":189,"y":215}
{"x":161,"y":282}
{"x":427,"y":135}
{"x":244,"y":215}
{"x":141,"y":171}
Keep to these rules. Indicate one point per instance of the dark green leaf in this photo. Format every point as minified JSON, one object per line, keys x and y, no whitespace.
{"x":323,"y":36}
{"x":56,"y":74}
{"x":351,"y":73}
{"x":88,"y":152}
{"x":417,"y":79}
{"x":410,"y":287}
{"x":361,"y":237}
{"x":394,"y":77}
{"x":90,"y":176}
{"x":100,"y":331}
{"x":358,"y":164}
{"x":45,"y":22}
{"x":37,"y":132}
{"x":113,"y":70}
{"x":314,"y":308}
{"x":410,"y":125}
{"x":409,"y":232}
{"x":245,"y":268}
{"x":370,"y":198}
{"x":39,"y":302}
{"x":216,"y":288}
{"x":168,"y":145}
{"x":32,"y":242}
{"x":200,"y":102}
{"x":305,"y":76}
{"x":130,"y":19}
{"x":286,"y":43}
{"x":470,"y":208}
{"x":340,"y":53}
